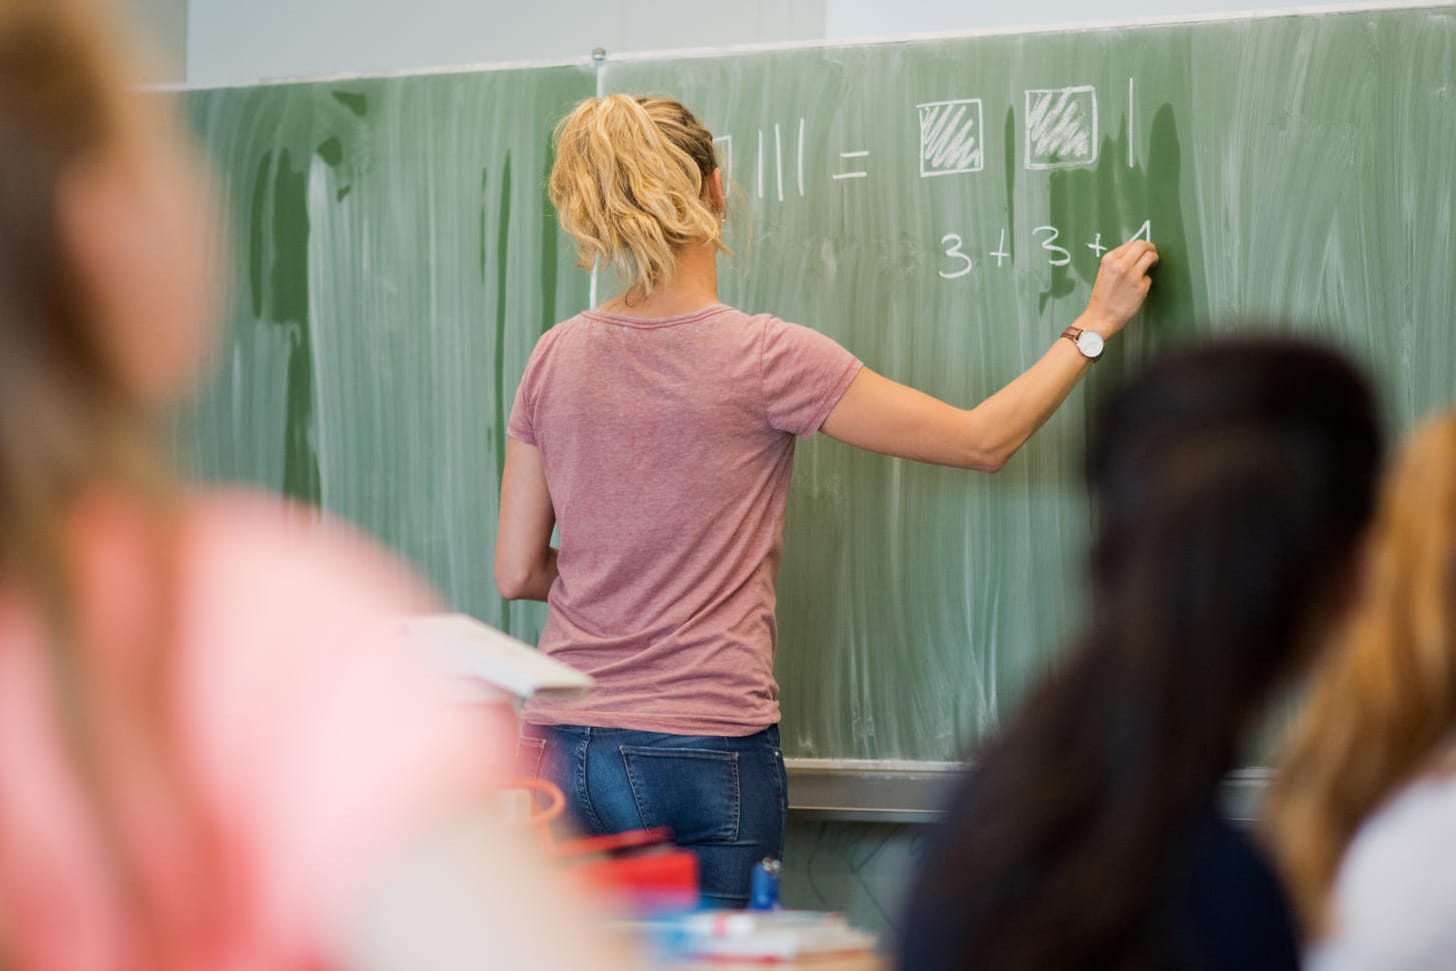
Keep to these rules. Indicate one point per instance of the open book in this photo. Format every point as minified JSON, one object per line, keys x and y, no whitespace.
{"x":476,"y":652}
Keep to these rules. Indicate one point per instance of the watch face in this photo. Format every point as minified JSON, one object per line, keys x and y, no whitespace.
{"x":1090,"y":344}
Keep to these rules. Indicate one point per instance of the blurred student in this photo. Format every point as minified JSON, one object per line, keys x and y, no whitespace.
{"x":1363,"y":810}
{"x":1231,"y":482}
{"x":210,"y":756}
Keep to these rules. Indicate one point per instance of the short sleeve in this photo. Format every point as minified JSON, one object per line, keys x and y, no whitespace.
{"x":522,"y":426}
{"x":804,"y":375}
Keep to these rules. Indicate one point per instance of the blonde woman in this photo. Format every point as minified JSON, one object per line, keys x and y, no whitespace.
{"x":1363,"y":811}
{"x":208,"y":758}
{"x":657,"y":431}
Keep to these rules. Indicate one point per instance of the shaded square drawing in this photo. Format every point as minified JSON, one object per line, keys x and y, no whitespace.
{"x":1061,"y":127}
{"x":950,"y":137}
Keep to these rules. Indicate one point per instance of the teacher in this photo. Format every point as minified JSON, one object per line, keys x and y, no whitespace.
{"x":657,"y":431}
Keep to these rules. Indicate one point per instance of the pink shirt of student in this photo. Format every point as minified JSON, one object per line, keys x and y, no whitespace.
{"x":668,"y":446}
{"x":317,"y":743}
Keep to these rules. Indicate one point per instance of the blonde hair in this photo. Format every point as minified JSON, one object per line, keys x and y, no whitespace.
{"x":1382,"y":708}
{"x":628,"y":186}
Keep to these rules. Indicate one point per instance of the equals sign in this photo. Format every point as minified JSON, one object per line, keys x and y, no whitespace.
{"x":853,"y":175}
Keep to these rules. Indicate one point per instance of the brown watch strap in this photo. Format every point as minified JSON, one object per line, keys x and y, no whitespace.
{"x":1072,"y":334}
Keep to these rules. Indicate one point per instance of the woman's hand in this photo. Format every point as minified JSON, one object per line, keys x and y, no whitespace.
{"x":1122,"y":285}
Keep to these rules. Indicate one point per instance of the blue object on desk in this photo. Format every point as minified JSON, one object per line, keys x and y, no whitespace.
{"x":763,"y":892}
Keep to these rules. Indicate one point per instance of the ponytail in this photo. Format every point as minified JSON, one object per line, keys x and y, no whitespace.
{"x":628,"y":186}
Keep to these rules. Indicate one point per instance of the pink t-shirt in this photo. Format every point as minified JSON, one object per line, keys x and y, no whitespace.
{"x":668,"y":446}
{"x":316,"y":742}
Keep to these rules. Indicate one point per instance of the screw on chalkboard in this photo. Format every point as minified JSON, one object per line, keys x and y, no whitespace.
{"x":599,"y":54}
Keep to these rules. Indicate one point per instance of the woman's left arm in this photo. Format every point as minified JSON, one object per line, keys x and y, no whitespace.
{"x":525,"y":561}
{"x":884,"y":416}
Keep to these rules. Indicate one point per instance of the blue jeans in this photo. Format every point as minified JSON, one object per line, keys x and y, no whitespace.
{"x":724,"y":798}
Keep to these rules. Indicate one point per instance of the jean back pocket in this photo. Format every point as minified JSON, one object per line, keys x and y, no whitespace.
{"x":693,"y":792}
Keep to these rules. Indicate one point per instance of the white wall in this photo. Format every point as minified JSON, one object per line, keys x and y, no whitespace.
{"x":872,"y":18}
{"x":161,"y":27}
{"x":244,"y":40}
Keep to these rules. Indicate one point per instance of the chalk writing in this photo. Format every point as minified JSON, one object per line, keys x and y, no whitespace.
{"x":777,"y":177}
{"x":954,"y":250}
{"x":858,"y":173}
{"x":801,"y":157}
{"x":950,"y":137}
{"x":1000,"y":251}
{"x":1063,"y":257}
{"x":1131,"y":119}
{"x":1061,"y":127}
{"x":952,"y":246}
{"x":723,"y":148}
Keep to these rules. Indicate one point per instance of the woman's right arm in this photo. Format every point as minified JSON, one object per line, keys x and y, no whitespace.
{"x":884,"y":416}
{"x":525,"y":560}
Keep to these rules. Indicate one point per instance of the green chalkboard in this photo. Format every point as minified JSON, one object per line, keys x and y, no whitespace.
{"x":937,"y":206}
{"x":394,"y":261}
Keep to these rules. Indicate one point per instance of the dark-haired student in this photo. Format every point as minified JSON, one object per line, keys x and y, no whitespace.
{"x":1232,"y":483}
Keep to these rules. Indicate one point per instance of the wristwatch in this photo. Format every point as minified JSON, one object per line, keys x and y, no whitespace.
{"x":1089,"y":342}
